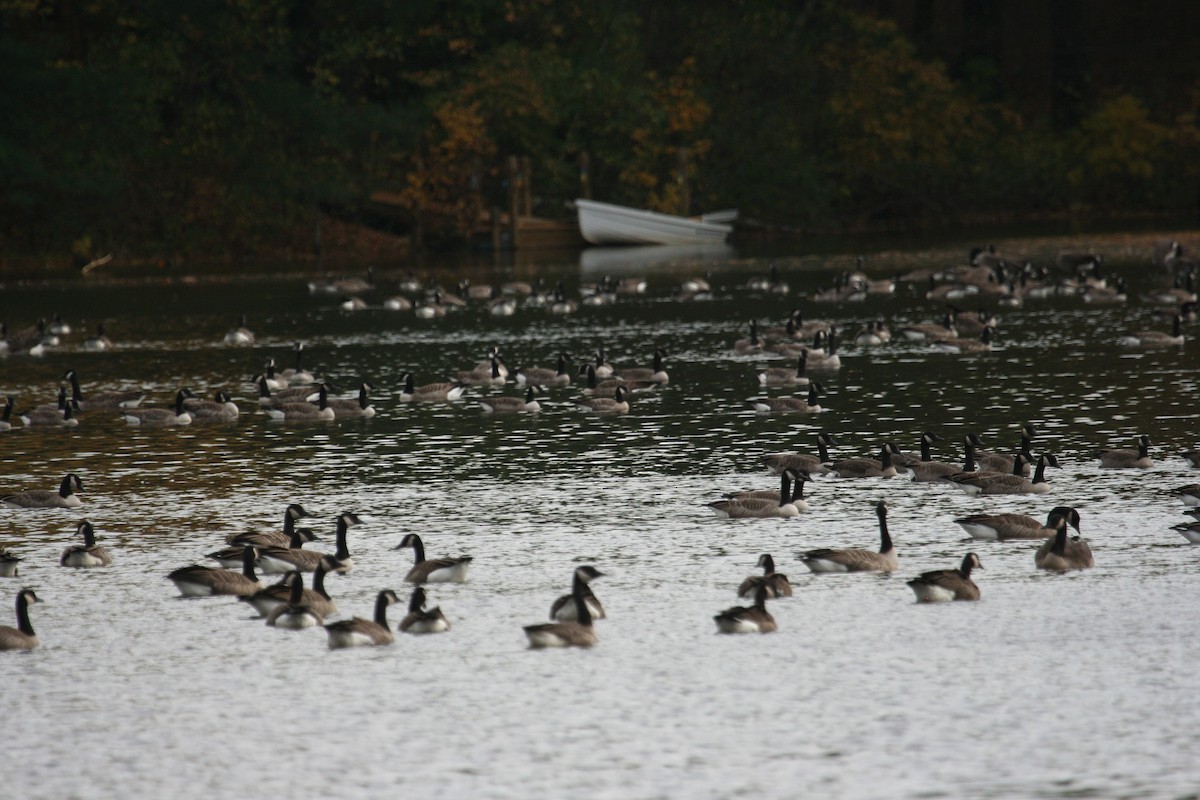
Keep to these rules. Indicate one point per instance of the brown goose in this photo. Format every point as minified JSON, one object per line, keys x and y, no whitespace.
{"x":271,"y":538}
{"x":803,"y":462}
{"x":995,"y":483}
{"x":867,"y":467}
{"x":267,"y":599}
{"x":1004,"y":527}
{"x":349,"y":409}
{"x":65,"y":497}
{"x":797,"y":498}
{"x":947,"y":584}
{"x":857,"y":559}
{"x":781,"y":376}
{"x":357,"y":632}
{"x":802,"y":405}
{"x":276,"y":560}
{"x":88,"y":554}
{"x":21,"y":637}
{"x":1062,"y":554}
{"x":997,"y":462}
{"x":777,"y":583}
{"x":1127,"y":459}
{"x":419,"y":620}
{"x":534,"y":376}
{"x":653,"y":374}
{"x":752,"y":507}
{"x":747,"y":619}
{"x":295,"y":614}
{"x":442,"y":392}
{"x":434,"y":570}
{"x":102,"y":400}
{"x":617,"y":404}
{"x":201,"y":581}
{"x":579,"y":633}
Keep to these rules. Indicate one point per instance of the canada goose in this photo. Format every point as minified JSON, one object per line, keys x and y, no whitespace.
{"x":608,"y":388}
{"x":361,"y":407}
{"x":781,"y":376}
{"x":268,"y":598}
{"x":800,"y":405}
{"x":579,"y":633}
{"x":600,"y":365}
{"x":160,"y":417}
{"x":947,"y":584}
{"x":866,"y":467}
{"x":398,"y":302}
{"x":353,"y":303}
{"x":59,"y":404}
{"x":1127,"y":459}
{"x":996,"y":462}
{"x":1105,"y":294}
{"x":357,"y":631}
{"x":99,"y":342}
{"x":923,"y":332}
{"x":418,"y":620}
{"x":827,"y":359}
{"x":240,"y":334}
{"x":617,"y":404}
{"x":747,"y":619}
{"x":763,"y":283}
{"x":1183,"y":290}
{"x":534,"y":376}
{"x":1155,"y":338}
{"x":857,"y":559}
{"x":434,"y":570}
{"x":6,"y":414}
{"x":654,"y":374}
{"x":276,"y":560}
{"x":65,"y":497}
{"x":563,"y":609}
{"x":1190,"y":494}
{"x":102,"y":400}
{"x":273,"y":397}
{"x":30,"y":341}
{"x":88,"y":554}
{"x":295,"y":614}
{"x":981,"y":345}
{"x":21,"y":637}
{"x":802,"y":462}
{"x":511,"y":405}
{"x":797,"y":499}
{"x":1005,"y":527}
{"x":996,"y":483}
{"x":927,"y":470}
{"x":46,"y":417}
{"x":1061,"y":554}
{"x":276,"y":383}
{"x":751,"y":344}
{"x":1191,"y":456}
{"x":293,"y":537}
{"x":270,"y":538}
{"x":304,"y":411}
{"x":489,"y":373}
{"x":201,"y":581}
{"x":757,"y":507}
{"x":1189,"y":531}
{"x":776,"y":583}
{"x":432,"y":308}
{"x":501,"y":306}
{"x":873,"y":334}
{"x":10,"y":563}
{"x":443,"y":392}
{"x":220,"y":409}
{"x":298,"y":374}
{"x":559,"y":305}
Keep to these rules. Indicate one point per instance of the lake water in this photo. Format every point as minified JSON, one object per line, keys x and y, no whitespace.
{"x":1050,"y":686}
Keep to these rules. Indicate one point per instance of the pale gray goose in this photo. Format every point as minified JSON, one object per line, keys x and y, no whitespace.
{"x":295,"y":614}
{"x":1008,"y":526}
{"x":265,"y":600}
{"x":776,"y":583}
{"x":239,"y":334}
{"x":1127,"y":459}
{"x":419,"y":620}
{"x":579,"y":633}
{"x":357,"y":632}
{"x":434,"y":570}
{"x":947,"y":584}
{"x":88,"y":554}
{"x":276,"y":560}
{"x":857,"y":559}
{"x":21,"y":637}
{"x":747,"y":619}
{"x":996,"y":483}
{"x":1061,"y":553}
{"x":803,"y":462}
{"x":65,"y":497}
{"x":298,"y":374}
{"x":201,"y":581}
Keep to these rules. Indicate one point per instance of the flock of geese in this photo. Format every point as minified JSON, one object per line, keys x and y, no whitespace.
{"x":296,"y":394}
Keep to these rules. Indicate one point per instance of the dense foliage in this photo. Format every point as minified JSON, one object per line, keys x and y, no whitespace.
{"x":227,"y":127}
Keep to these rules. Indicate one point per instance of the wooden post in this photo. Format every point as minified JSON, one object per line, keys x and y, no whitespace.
{"x":585,"y":176}
{"x":514,"y":197}
{"x":527,"y":185}
{"x":681,"y":177}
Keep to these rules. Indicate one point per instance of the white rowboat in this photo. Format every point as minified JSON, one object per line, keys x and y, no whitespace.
{"x":605,"y":223}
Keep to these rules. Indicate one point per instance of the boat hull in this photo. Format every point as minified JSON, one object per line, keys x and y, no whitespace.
{"x":605,"y":224}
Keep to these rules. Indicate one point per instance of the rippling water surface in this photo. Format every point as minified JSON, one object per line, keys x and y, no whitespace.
{"x":1051,"y":686}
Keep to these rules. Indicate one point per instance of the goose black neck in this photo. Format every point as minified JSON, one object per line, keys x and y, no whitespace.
{"x":784,"y":486}
{"x":263,"y":389}
{"x":925,"y":454}
{"x":89,"y":537}
{"x":885,"y":539}
{"x":76,"y":394}
{"x":248,"y":556}
{"x":381,"y":606}
{"x":885,"y":457}
{"x":802,"y":365}
{"x":64,"y":489}
{"x":297,"y":592}
{"x":1018,"y":464}
{"x":343,"y":552}
{"x":362,"y":397}
{"x":23,"y":624}
{"x":798,"y":490}
{"x":1039,"y":474}
{"x":579,"y":594}
{"x":965,"y":569}
{"x":318,"y":581}
{"x":1060,"y":539}
{"x":418,"y":549}
{"x":969,"y":447}
{"x":417,"y":603}
{"x":822,"y":450}
{"x":768,"y":564}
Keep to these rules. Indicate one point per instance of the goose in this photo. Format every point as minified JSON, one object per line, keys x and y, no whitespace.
{"x":757,"y":507}
{"x":160,"y":417}
{"x":996,"y":483}
{"x":501,"y":306}
{"x":995,"y":462}
{"x":695,"y":286}
{"x":776,"y":583}
{"x":826,"y":360}
{"x":489,"y":373}
{"x":751,"y":344}
{"x":295,"y":614}
{"x":873,"y":334}
{"x":102,"y":400}
{"x":617,"y":404}
{"x":298,"y":374}
{"x":99,"y":342}
{"x":600,"y":366}
{"x":866,"y":467}
{"x":512,"y":405}
{"x":560,"y":306}
{"x":493,"y":361}
{"x":275,"y":382}
{"x":857,"y":559}
{"x":797,"y":499}
{"x":1006,"y":527}
{"x":294,"y":538}
{"x":6,"y":414}
{"x":747,"y":619}
{"x":21,"y":637}
{"x":433,"y":308}
{"x":220,"y":409}
{"x":398,"y":302}
{"x":763,"y":283}
{"x":947,"y":584}
{"x":1155,"y":338}
{"x":10,"y":563}
{"x":30,"y":341}
{"x":579,"y":633}
{"x":304,"y":411}
{"x":1062,"y":554}
{"x":65,"y":497}
{"x":434,"y":570}
{"x":1190,"y":494}
{"x":46,"y":417}
{"x":781,"y":376}
{"x":290,"y":394}
{"x":800,"y":405}
{"x":534,"y":376}
{"x":927,"y":470}
{"x":275,"y":560}
{"x":355,"y":283}
{"x":360,"y":407}
{"x":1127,"y":459}
{"x":1189,"y":531}
{"x":58,"y":326}
{"x":418,"y":620}
{"x":353,"y":303}
{"x":803,"y":462}
{"x":653,"y":374}
{"x":563,"y":609}
{"x":293,"y":512}
{"x":357,"y":632}
{"x":969,"y":346}
{"x":1105,"y":294}
{"x":201,"y":581}
{"x":267,"y":599}
{"x":1183,"y":290}
{"x":444,"y":392}
{"x":608,"y":388}
{"x":929,"y":332}
{"x":240,"y":334}
{"x":88,"y":554}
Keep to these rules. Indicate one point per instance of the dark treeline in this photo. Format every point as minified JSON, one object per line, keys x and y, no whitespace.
{"x":225,"y":128}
